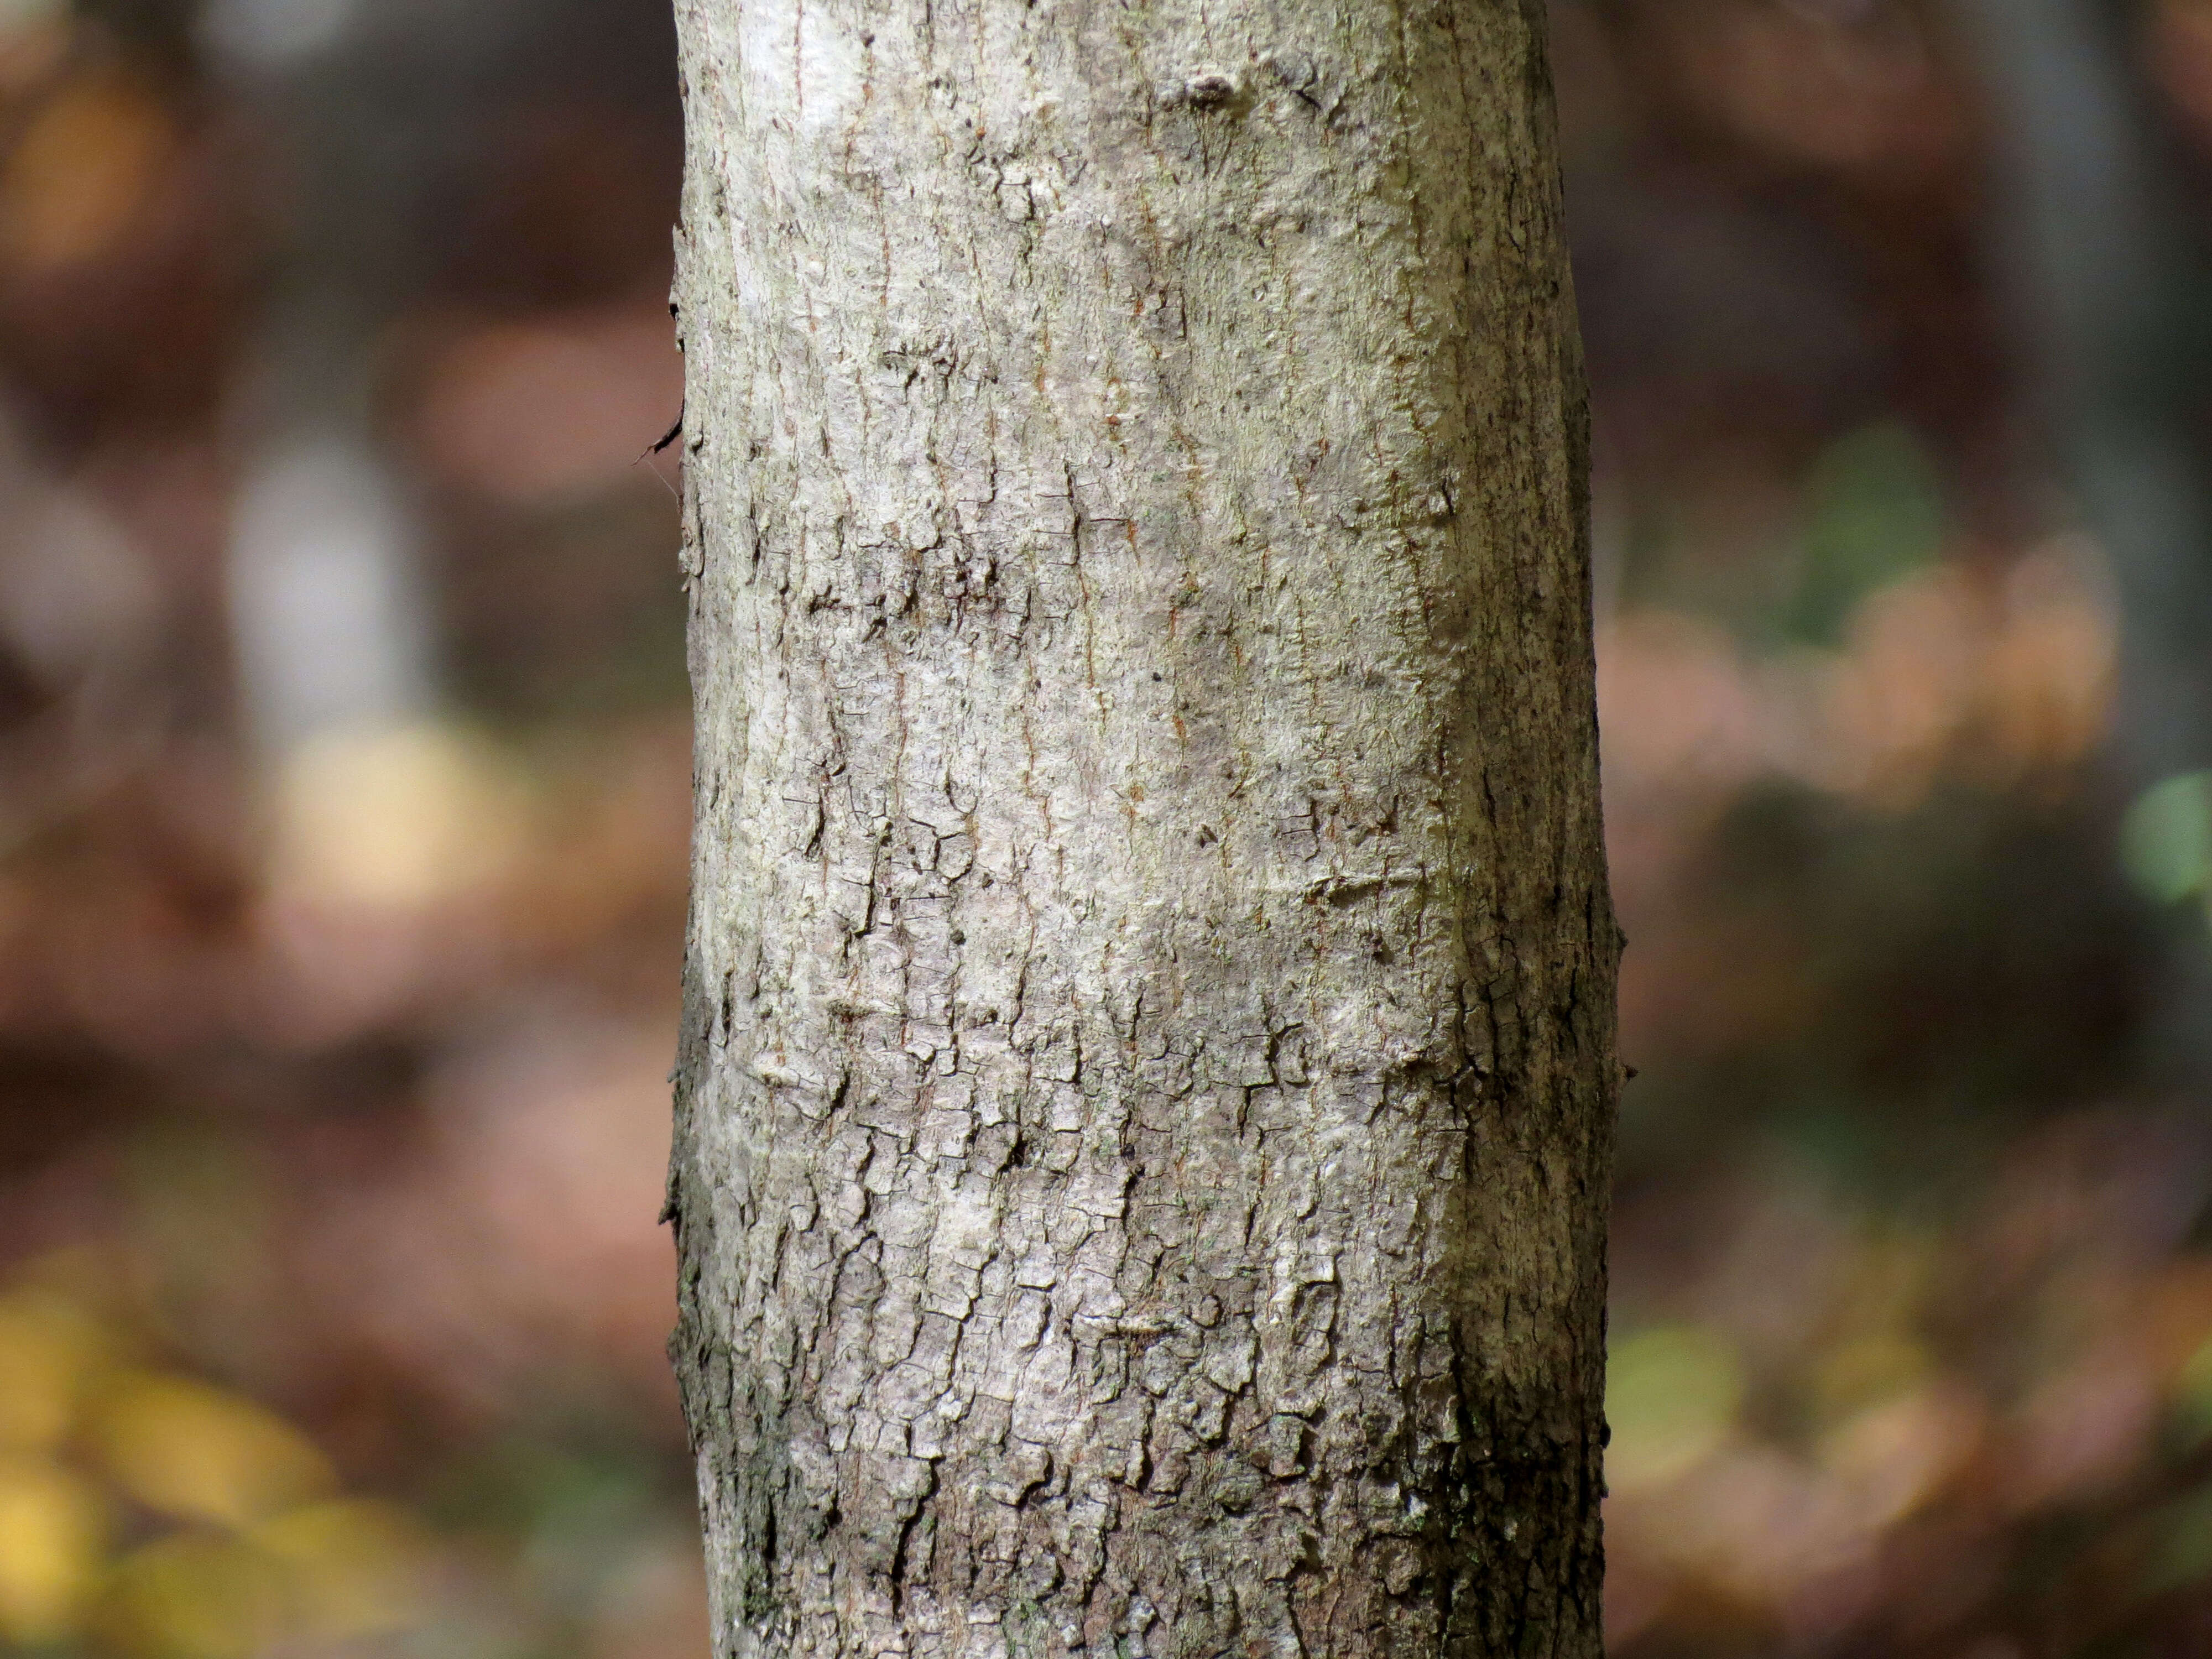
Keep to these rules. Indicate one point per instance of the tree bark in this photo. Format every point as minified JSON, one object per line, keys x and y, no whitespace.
{"x":1145,"y":1103}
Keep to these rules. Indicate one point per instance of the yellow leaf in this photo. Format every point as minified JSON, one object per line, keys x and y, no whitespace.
{"x":194,"y":1595}
{"x":189,"y":1449}
{"x":80,"y":171}
{"x":356,"y":1568}
{"x":48,"y":1348}
{"x":53,"y":1526}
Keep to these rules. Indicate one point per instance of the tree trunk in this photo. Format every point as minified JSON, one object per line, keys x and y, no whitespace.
{"x":1146,"y":1085}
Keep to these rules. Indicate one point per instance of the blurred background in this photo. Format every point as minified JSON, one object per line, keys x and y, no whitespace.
{"x":343,"y":794}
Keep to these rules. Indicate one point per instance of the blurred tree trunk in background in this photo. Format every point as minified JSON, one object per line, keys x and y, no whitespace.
{"x":2108,"y":276}
{"x":1145,"y":1099}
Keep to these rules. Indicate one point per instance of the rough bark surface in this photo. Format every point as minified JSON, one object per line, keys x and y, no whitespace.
{"x":1145,"y":1104}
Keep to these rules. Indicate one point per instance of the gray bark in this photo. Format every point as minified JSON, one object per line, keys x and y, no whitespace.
{"x":1146,"y":1095}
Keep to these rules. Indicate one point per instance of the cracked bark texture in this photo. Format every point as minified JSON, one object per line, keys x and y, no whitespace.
{"x":1144,"y":1102}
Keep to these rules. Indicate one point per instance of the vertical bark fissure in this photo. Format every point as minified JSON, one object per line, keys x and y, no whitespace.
{"x":1145,"y":1103}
